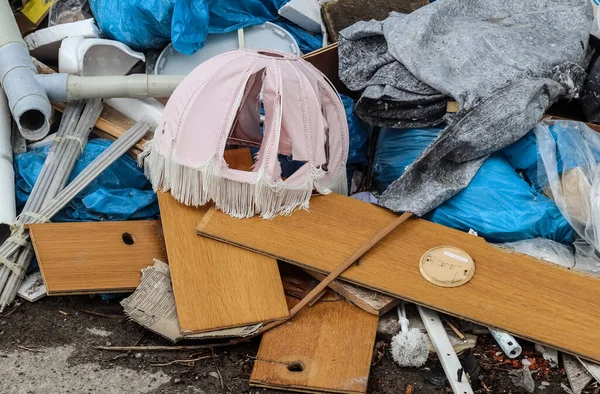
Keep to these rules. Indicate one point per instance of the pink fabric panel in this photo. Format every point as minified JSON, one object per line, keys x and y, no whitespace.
{"x":315,"y":120}
{"x":175,"y":107}
{"x":211,"y":110}
{"x":267,"y":155}
{"x":292,"y":124}
{"x":335,"y":117}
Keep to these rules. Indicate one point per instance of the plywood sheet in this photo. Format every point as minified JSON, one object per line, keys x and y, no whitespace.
{"x":521,"y":295}
{"x":328,"y":347}
{"x":217,"y":285}
{"x":93,"y":257}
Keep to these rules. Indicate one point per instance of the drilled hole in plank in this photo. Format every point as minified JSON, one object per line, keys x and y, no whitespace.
{"x":127,"y":239}
{"x":295,"y":366}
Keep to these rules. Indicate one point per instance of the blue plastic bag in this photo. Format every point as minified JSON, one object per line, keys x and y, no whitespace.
{"x":358,"y":135}
{"x":141,"y":24}
{"x":151,"y":24}
{"x":523,"y":156}
{"x":121,"y":192}
{"x":498,"y":203}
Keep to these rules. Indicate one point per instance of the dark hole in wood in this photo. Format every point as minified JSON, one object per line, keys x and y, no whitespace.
{"x":295,"y":366}
{"x":127,"y":239}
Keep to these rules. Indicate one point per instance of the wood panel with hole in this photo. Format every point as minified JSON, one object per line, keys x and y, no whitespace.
{"x":324,"y":348}
{"x":96,"y":257}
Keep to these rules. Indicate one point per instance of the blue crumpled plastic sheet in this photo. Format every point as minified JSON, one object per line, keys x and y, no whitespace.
{"x":152,"y":24}
{"x":498,"y":204}
{"x":121,"y":192}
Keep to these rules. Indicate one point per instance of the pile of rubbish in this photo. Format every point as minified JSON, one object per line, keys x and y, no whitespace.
{"x":316,"y":174}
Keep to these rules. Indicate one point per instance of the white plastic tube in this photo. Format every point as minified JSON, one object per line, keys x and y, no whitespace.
{"x":507,"y":342}
{"x":64,"y":87}
{"x":26,"y":98}
{"x":7,"y":175}
{"x":135,"y":86}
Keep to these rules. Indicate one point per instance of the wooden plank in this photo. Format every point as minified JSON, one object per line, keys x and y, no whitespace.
{"x":339,"y":14}
{"x":217,"y":285}
{"x":368,"y":300}
{"x":329,"y":344}
{"x":95,"y":257}
{"x":496,"y":296}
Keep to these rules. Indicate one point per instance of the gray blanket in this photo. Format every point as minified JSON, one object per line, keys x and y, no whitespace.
{"x":504,"y":62}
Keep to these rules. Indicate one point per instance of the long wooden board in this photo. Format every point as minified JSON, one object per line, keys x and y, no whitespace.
{"x":521,"y":295}
{"x":217,"y":285}
{"x":96,"y":257}
{"x":324,"y":348}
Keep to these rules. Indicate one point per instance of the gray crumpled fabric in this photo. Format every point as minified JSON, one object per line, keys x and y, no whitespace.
{"x":504,"y":62}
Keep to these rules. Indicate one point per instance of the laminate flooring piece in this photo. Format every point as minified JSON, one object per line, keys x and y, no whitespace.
{"x":96,"y":257}
{"x":216,"y":285}
{"x":563,"y":314}
{"x":324,"y":348}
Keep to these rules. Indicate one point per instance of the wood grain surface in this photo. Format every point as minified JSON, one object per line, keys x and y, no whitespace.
{"x":217,"y":285}
{"x":93,"y":257}
{"x":325,"y":348}
{"x":532,"y":299}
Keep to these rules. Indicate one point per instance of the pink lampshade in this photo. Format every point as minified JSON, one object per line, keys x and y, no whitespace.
{"x":304,"y":119}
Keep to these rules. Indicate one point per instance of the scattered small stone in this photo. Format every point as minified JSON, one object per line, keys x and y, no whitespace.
{"x":545,"y":383}
{"x":108,"y":344}
{"x":214,"y":375}
{"x":3,"y":322}
{"x":138,"y":355}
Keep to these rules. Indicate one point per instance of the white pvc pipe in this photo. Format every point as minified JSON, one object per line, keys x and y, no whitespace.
{"x":507,"y":342}
{"x":64,"y":87}
{"x":7,"y":175}
{"x":26,"y":98}
{"x":134,"y":86}
{"x":55,"y":86}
